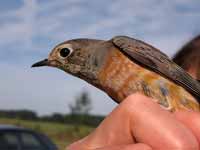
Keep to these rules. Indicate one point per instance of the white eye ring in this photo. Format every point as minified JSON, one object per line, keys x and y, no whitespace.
{"x":65,"y":52}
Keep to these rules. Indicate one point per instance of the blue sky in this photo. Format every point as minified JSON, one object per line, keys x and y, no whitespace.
{"x":29,"y":29}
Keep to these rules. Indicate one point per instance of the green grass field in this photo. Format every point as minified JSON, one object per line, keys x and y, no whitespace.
{"x":61,"y":134}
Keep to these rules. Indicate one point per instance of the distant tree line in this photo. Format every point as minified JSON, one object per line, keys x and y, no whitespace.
{"x":75,"y":119}
{"x":20,"y":114}
{"x":83,"y":119}
{"x":79,"y":113}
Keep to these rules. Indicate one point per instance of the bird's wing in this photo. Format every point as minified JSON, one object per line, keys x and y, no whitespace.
{"x":155,"y":60}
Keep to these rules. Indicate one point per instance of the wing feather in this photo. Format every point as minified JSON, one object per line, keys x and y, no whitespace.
{"x":152,"y":58}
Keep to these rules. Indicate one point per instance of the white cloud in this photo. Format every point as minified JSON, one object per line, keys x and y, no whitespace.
{"x":22,"y":30}
{"x":61,"y":20}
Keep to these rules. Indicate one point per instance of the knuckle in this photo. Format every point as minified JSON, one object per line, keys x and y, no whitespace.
{"x":186,"y":144}
{"x":131,"y":104}
{"x":135,"y":101}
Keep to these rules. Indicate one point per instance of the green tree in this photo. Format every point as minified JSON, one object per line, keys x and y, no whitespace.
{"x":82,"y":104}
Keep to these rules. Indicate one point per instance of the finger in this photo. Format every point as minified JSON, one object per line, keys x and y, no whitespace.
{"x":138,"y":146}
{"x":156,"y":127}
{"x":191,"y":120}
{"x":138,"y":117}
{"x":114,"y":130}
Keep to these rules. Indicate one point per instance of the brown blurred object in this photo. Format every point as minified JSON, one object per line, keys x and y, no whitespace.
{"x":188,"y":57}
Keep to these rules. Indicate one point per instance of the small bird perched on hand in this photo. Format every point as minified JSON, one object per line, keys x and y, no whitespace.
{"x":122,"y":66}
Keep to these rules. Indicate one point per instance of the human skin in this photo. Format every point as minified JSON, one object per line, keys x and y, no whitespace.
{"x":138,"y":123}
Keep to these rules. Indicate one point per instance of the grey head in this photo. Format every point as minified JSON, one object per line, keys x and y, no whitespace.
{"x":79,"y":57}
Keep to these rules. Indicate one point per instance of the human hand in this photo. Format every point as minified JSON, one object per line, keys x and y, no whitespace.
{"x":138,"y":123}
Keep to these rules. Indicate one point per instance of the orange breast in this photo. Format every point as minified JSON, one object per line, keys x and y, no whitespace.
{"x":120,"y":77}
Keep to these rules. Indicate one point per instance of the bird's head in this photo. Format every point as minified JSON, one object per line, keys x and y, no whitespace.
{"x":77,"y":57}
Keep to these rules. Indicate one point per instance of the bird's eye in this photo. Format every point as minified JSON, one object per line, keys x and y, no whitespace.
{"x":64,"y":52}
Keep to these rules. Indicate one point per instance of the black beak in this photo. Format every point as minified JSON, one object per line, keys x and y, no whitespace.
{"x":41,"y":63}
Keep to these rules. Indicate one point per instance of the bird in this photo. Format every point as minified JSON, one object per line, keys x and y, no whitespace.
{"x":124,"y":65}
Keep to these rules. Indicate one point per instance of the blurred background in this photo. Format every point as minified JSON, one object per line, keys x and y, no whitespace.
{"x":29,"y":29}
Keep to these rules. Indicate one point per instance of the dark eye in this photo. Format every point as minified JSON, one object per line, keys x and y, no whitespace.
{"x":64,"y":52}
